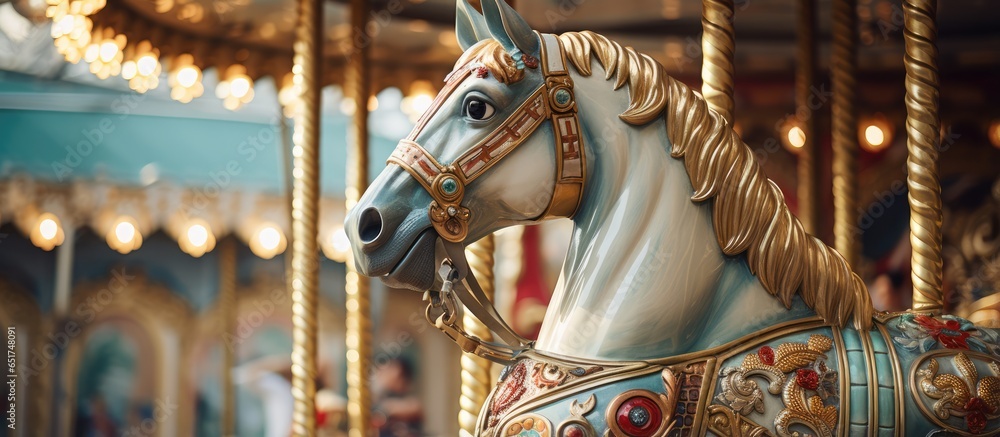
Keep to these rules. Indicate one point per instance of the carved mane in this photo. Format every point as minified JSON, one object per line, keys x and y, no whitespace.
{"x":749,"y":212}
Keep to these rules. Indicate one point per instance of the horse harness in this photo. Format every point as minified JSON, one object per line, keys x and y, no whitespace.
{"x":553,"y":101}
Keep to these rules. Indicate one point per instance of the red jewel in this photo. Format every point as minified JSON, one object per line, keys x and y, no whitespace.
{"x":976,"y":422}
{"x":977,"y":404}
{"x":529,"y":61}
{"x":482,"y":72}
{"x":766,"y":355}
{"x":639,"y":416}
{"x":573,"y":431}
{"x":807,"y":379}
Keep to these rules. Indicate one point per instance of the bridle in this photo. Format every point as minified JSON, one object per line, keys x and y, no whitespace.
{"x":552,"y":101}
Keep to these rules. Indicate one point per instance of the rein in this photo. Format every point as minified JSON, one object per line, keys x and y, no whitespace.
{"x":552,"y":101}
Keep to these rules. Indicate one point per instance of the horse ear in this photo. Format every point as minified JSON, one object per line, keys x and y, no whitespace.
{"x":470,"y":26}
{"x":509,"y":28}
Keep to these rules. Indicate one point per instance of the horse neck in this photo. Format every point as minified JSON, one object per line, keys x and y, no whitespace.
{"x":644,"y":277}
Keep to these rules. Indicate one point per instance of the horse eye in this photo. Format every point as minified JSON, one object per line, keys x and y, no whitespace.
{"x":479,"y":110}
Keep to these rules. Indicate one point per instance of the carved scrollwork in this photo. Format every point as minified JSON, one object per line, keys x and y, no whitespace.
{"x":796,"y":371}
{"x":963,"y":395}
{"x":728,"y":423}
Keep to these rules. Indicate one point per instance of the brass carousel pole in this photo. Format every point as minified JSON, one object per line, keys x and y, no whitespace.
{"x":845,"y":128}
{"x":358,"y":87}
{"x":477,"y":378}
{"x":227,"y":302}
{"x":305,"y":210}
{"x":718,"y":47}
{"x":805,"y":75}
{"x":923,"y":138}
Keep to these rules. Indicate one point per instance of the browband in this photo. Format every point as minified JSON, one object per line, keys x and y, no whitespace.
{"x":554,"y":101}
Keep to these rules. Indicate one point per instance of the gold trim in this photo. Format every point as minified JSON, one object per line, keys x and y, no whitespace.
{"x":897,"y":378}
{"x":844,"y":374}
{"x":870,"y":368}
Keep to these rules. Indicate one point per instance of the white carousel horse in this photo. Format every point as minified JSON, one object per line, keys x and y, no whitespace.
{"x":691,"y":301}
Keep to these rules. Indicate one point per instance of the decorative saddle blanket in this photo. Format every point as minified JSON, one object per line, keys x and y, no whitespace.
{"x":912,"y":375}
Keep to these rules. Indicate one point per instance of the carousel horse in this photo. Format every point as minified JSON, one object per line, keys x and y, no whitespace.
{"x":691,"y":301}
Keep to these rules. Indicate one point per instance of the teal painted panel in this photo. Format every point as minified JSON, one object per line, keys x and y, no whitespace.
{"x":878,"y":342}
{"x":851,"y":340}
{"x":859,"y":405}
{"x":886,"y":407}
{"x":884,"y":369}
{"x":859,"y":372}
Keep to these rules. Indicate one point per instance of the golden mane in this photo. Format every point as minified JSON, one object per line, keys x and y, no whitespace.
{"x":749,"y":212}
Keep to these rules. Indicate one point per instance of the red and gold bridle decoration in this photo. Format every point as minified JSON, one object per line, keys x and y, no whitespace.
{"x":554,"y":100}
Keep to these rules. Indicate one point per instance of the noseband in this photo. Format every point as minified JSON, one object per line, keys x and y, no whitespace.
{"x":553,"y":101}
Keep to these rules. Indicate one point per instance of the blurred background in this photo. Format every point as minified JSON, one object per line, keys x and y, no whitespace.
{"x":144,"y":178}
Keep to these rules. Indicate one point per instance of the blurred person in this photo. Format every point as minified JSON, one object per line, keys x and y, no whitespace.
{"x":398,"y":412}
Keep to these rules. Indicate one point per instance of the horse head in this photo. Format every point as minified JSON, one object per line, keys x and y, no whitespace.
{"x":481,"y":158}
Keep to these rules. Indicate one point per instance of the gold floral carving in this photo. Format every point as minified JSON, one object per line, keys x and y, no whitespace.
{"x":728,"y":423}
{"x":964,"y":395}
{"x":796,"y":371}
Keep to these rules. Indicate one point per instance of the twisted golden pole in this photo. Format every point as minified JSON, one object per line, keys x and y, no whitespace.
{"x":718,"y":47}
{"x":805,"y":75}
{"x":227,"y":303}
{"x":477,"y":379}
{"x":845,"y":137}
{"x":357,"y":86}
{"x":305,"y":210}
{"x":923,"y":138}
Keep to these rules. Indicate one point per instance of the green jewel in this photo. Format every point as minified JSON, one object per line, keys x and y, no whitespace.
{"x":449,"y":186}
{"x":562,"y":97}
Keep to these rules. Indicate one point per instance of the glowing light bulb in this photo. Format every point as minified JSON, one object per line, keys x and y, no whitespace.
{"x":340,"y":241}
{"x":422,"y":102}
{"x":128,"y":70}
{"x":796,"y":137}
{"x":187,"y":76}
{"x":108,"y":51}
{"x":197,"y":235}
{"x":239,"y":87}
{"x":994,"y":133}
{"x":269,"y":238}
{"x":147,"y":64}
{"x":124,"y":232}
{"x":874,"y":135}
{"x":48,"y":228}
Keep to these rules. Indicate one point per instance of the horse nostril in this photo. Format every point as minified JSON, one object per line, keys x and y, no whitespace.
{"x":369,"y":225}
